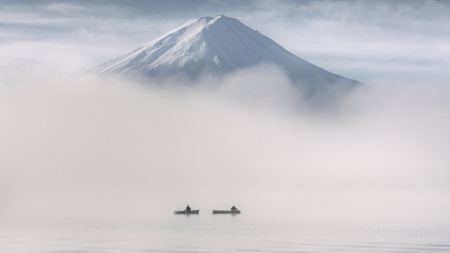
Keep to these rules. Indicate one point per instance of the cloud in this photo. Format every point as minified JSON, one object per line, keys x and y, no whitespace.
{"x":65,"y":8}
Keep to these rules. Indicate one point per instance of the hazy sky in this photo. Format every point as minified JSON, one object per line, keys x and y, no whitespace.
{"x":388,"y":44}
{"x":76,"y":145}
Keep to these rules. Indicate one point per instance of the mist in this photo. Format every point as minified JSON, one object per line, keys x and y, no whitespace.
{"x":75,"y":146}
{"x":111,"y":148}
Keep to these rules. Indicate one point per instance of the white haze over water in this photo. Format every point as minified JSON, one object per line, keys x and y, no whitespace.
{"x":93,"y":148}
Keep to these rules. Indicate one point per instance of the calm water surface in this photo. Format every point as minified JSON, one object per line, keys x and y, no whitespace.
{"x":221,"y":233}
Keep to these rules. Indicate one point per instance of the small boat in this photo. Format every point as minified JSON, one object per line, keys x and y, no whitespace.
{"x":187,"y":212}
{"x":226,"y":212}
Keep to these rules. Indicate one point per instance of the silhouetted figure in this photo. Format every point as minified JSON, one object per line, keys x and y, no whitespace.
{"x":188,"y":208}
{"x":234,"y":209}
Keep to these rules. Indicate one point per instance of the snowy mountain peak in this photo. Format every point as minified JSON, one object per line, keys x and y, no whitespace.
{"x":216,"y":45}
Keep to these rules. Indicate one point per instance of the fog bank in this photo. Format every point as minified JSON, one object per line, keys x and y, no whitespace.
{"x":99,"y":148}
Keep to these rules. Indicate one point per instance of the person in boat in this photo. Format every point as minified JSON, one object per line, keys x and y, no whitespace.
{"x":234,"y":209}
{"x":188,"y":208}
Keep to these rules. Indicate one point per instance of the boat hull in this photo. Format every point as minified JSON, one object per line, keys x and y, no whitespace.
{"x":187,"y":212}
{"x":225,"y":212}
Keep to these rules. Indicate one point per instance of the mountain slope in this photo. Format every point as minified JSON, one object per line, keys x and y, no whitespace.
{"x":217,"y":45}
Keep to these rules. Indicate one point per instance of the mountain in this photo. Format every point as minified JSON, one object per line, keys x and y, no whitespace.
{"x":218,"y":45}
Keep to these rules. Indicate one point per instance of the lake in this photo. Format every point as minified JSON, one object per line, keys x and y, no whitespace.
{"x":220,"y":233}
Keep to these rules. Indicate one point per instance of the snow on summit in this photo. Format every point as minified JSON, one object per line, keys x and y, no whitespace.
{"x":217,"y":45}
